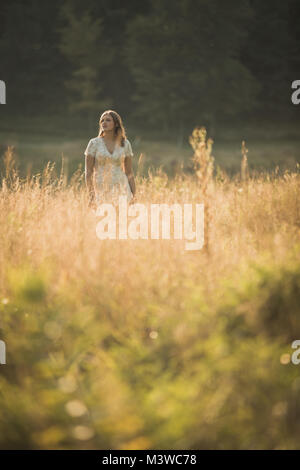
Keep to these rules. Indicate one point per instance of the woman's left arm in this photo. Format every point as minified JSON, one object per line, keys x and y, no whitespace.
{"x":129,"y":174}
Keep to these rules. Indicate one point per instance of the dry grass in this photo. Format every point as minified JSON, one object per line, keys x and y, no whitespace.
{"x":43,"y":216}
{"x":129,"y":290}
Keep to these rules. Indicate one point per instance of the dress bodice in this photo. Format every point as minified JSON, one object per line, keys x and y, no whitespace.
{"x":98,"y":149}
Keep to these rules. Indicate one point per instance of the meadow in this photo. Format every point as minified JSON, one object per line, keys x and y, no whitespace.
{"x":140,"y":344}
{"x":270,"y":144}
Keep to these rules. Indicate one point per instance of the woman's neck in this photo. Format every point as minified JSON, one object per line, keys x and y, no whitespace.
{"x":109,"y":136}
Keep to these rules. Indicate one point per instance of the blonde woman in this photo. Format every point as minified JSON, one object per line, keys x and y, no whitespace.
{"x":108,"y":162}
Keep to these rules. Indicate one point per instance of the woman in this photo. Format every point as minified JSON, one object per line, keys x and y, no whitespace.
{"x":108,"y":162}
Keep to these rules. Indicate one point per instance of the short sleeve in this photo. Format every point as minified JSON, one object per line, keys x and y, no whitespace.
{"x":128,"y":149}
{"x":90,"y":150}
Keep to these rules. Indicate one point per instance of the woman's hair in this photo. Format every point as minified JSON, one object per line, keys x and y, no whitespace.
{"x":119,"y":127}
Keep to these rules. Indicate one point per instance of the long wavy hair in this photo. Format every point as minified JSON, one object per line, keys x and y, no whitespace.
{"x":120,"y":133}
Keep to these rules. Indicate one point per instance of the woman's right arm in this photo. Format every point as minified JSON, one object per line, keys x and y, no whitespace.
{"x":89,"y":170}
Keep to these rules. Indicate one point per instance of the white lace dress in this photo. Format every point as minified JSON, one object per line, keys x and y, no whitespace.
{"x":110,"y":179}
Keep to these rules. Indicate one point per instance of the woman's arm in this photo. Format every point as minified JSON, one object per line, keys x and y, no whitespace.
{"x":89,"y":170}
{"x":129,"y":173}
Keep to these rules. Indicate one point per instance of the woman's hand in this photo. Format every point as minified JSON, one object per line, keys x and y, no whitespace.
{"x":91,"y":201}
{"x":129,"y":173}
{"x":132,"y":200}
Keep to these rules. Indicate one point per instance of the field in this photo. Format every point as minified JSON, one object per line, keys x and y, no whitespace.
{"x":140,"y":344}
{"x":269,"y":145}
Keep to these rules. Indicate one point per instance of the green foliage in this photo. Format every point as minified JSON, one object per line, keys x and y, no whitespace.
{"x":269,"y":303}
{"x":271,"y":22}
{"x":202,"y":374}
{"x":83,"y":44}
{"x":182,"y":68}
{"x":164,"y":64}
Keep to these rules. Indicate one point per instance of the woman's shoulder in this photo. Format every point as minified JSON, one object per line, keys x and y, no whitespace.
{"x":96,"y":142}
{"x":128,"y":148}
{"x":127,"y":142}
{"x":93,"y":141}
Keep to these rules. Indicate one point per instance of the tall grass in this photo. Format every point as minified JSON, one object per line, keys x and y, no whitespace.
{"x":204,"y":167}
{"x":139,"y":344}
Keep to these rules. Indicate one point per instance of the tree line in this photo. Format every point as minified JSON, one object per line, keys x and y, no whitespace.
{"x":161,"y":63}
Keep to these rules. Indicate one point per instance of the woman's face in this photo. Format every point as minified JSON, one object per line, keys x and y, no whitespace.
{"x":107,"y":123}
